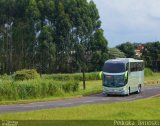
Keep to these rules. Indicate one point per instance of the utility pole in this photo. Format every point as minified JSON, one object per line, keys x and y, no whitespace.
{"x":84,"y":80}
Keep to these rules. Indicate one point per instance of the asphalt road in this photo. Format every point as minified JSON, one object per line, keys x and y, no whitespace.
{"x":149,"y":91}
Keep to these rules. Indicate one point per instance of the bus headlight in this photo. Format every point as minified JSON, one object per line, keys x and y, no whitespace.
{"x":124,"y":89}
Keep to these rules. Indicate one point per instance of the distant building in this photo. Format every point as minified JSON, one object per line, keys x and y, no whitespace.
{"x":139,"y":50}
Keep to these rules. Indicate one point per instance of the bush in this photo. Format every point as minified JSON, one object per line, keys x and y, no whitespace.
{"x":148,"y":72}
{"x":26,"y":74}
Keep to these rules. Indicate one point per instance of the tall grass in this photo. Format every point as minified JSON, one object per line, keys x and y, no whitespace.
{"x":148,"y":72}
{"x":48,"y":85}
{"x":28,"y":89}
{"x":76,"y":76}
{"x":22,"y":85}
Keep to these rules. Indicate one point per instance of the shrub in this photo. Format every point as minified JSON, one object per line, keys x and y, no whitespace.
{"x":26,"y":74}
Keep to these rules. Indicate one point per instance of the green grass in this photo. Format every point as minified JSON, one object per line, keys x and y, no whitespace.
{"x":134,"y":110}
{"x":150,"y":75}
{"x":148,"y":72}
{"x":156,"y":76}
{"x":74,"y":76}
{"x":22,"y":87}
{"x":37,"y":88}
{"x":92,"y":87}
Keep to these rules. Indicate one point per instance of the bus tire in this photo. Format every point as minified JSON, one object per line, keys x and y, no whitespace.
{"x":104,"y":94}
{"x":139,"y":89}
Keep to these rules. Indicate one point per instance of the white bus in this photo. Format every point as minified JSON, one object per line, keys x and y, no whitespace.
{"x":123,"y":76}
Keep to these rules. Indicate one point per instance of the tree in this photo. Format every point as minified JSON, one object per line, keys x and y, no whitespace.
{"x":51,"y":36}
{"x":151,"y":55}
{"x":115,"y":53}
{"x":46,"y":50}
{"x":128,"y":48}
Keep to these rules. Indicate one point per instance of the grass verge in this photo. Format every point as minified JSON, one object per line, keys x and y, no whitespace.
{"x":134,"y":110}
{"x":155,"y":76}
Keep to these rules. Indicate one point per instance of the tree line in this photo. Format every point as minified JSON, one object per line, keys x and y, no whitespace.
{"x":150,"y":53}
{"x":51,"y":36}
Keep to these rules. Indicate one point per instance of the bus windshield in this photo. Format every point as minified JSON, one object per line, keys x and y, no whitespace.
{"x":114,"y":67}
{"x":114,"y":80}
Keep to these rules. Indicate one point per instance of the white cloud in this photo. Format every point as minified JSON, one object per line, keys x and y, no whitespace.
{"x":130,"y":20}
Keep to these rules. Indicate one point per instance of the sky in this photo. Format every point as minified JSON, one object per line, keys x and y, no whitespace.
{"x":130,"y":20}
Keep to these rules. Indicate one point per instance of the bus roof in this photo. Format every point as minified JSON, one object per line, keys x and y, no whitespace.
{"x":123,"y":60}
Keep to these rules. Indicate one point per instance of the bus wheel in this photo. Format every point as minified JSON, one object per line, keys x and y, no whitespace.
{"x":104,"y":94}
{"x":139,"y":89}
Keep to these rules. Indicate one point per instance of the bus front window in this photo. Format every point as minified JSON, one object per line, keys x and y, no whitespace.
{"x":114,"y":81}
{"x":114,"y":67}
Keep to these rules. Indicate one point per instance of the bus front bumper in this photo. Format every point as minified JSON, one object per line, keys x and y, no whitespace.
{"x":115,"y":91}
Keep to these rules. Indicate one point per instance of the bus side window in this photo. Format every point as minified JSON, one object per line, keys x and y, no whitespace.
{"x":127,"y":67}
{"x":138,"y":66}
{"x":143,"y":65}
{"x":131,"y":67}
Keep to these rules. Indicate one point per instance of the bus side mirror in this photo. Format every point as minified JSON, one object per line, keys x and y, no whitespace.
{"x":126,"y":77}
{"x":126,"y":80}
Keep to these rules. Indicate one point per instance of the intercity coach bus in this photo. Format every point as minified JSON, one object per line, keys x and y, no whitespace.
{"x":123,"y":76}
